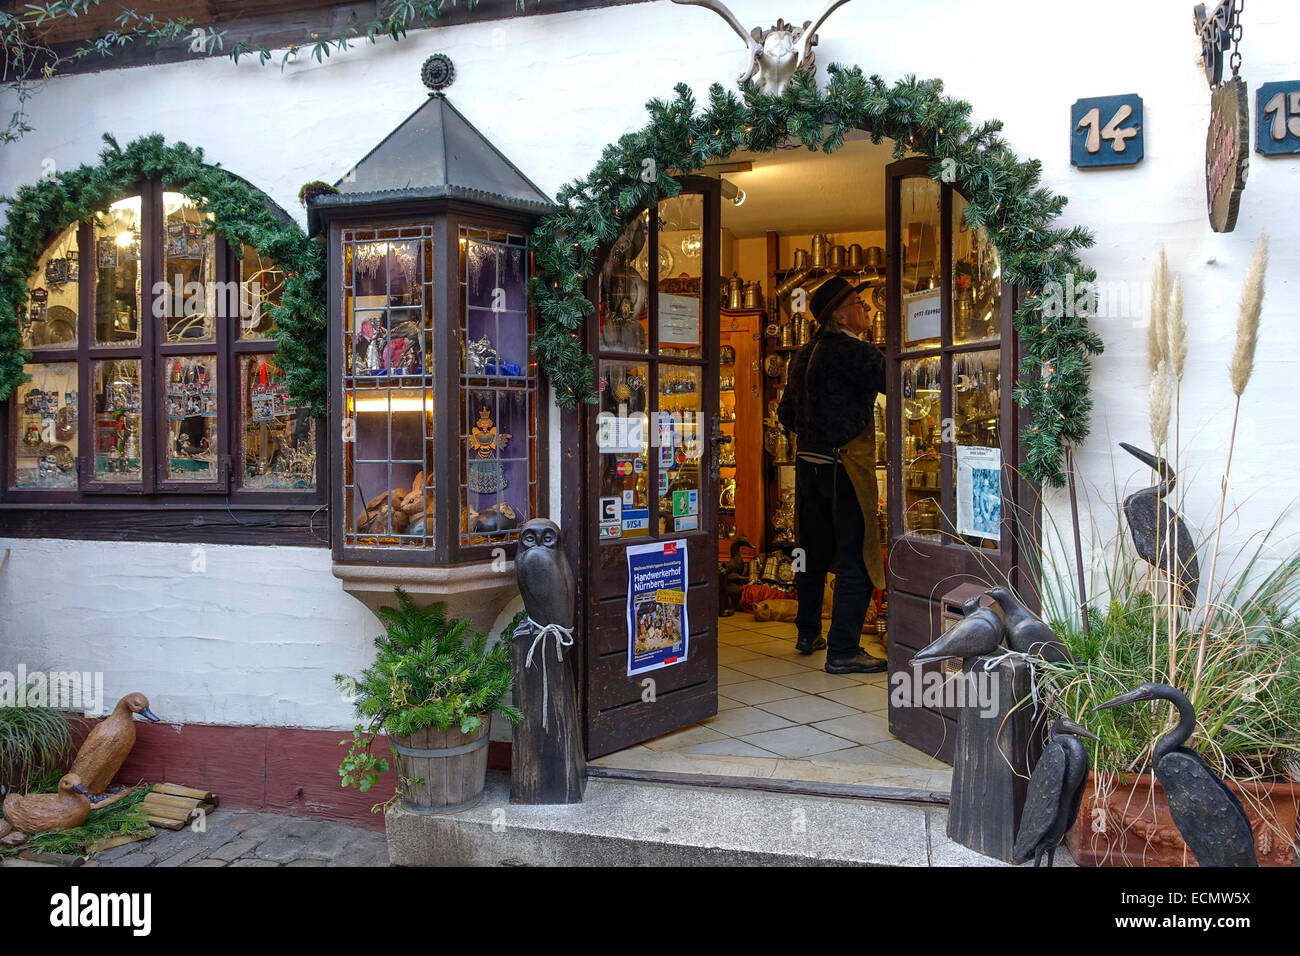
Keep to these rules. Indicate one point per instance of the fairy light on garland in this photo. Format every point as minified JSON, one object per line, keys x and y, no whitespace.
{"x":991,"y":178}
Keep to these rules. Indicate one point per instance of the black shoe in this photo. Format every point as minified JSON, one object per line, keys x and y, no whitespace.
{"x":806,"y":645}
{"x":859,"y":662}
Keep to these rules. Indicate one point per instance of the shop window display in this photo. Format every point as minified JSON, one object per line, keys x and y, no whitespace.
{"x":389,"y":478}
{"x":54,"y":296}
{"x":192,"y":403}
{"x":46,"y":450}
{"x":118,"y":279}
{"x":498,"y":422}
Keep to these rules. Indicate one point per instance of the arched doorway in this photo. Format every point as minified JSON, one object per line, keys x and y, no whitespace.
{"x":977,"y":168}
{"x":671,"y":349}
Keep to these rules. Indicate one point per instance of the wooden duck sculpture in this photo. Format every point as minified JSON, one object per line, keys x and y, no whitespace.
{"x":107,"y":746}
{"x":43,"y":812}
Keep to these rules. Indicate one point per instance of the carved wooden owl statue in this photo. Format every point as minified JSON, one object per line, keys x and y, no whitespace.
{"x":545,"y":575}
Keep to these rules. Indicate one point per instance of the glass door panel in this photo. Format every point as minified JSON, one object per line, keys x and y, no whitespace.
{"x":977,"y":281}
{"x":922,"y":412}
{"x":921,"y":265}
{"x":678,"y":462}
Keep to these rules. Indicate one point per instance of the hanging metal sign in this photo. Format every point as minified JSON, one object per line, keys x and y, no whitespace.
{"x":1227,"y":143}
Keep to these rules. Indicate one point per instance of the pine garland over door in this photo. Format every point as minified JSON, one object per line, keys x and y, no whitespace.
{"x":242,"y":214}
{"x":1004,"y":193}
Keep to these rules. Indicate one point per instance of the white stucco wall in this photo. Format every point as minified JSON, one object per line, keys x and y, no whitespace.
{"x":256,"y":638}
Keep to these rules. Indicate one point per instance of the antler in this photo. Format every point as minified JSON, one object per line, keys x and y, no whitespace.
{"x":808,"y":36}
{"x":755,"y":48}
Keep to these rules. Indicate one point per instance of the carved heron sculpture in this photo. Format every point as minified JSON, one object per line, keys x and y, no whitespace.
{"x":1026,"y":633}
{"x":979,"y":632}
{"x":1055,"y":792}
{"x":1157,"y":529}
{"x":1209,"y":816}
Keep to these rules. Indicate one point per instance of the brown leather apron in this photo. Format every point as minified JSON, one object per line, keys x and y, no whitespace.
{"x":859,"y":458}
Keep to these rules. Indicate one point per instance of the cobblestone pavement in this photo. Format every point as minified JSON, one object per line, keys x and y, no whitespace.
{"x":241,"y":839}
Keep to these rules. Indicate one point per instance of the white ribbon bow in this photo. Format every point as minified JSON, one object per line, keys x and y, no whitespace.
{"x":992,"y":661}
{"x":563,"y":638}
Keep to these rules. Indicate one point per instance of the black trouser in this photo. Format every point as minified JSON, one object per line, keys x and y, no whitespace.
{"x":830,"y":529}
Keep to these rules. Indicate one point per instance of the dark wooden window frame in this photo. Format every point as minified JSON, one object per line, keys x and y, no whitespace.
{"x":155,"y":509}
{"x":447,"y":217}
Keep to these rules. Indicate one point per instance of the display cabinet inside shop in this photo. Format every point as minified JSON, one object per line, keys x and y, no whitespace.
{"x":434,"y":408}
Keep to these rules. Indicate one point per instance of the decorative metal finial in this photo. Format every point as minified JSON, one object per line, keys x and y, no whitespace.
{"x":438,"y":73}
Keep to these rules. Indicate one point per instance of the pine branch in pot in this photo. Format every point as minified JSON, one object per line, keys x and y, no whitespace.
{"x":432,"y":688}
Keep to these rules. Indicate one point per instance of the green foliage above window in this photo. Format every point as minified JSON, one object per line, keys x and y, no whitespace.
{"x":1005,"y":197}
{"x":242,"y":214}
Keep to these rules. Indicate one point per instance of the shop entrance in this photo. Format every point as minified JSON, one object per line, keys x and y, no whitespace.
{"x":697,"y":317}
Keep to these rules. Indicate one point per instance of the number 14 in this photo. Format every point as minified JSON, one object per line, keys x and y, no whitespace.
{"x":1096,"y":132}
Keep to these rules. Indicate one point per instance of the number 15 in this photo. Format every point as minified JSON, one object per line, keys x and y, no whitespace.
{"x":1277,"y":106}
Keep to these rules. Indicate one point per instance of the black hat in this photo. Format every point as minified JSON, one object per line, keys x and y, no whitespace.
{"x":830,"y":295}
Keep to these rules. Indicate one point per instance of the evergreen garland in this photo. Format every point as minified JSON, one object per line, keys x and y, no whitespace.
{"x":1004,"y":194}
{"x":242,"y":214}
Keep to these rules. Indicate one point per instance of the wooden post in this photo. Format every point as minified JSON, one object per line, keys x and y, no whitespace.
{"x":547,"y":764}
{"x":990,"y":769}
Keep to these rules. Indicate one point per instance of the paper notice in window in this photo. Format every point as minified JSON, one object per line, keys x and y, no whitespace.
{"x":979,"y":492}
{"x":679,"y":321}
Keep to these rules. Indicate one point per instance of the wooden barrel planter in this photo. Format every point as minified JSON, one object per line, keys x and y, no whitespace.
{"x":451,"y":766}
{"x":1127,"y":823}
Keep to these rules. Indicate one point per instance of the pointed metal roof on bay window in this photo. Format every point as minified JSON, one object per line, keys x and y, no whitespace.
{"x":435,"y":153}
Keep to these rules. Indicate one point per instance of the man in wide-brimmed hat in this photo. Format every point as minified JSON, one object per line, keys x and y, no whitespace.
{"x":829,"y":403}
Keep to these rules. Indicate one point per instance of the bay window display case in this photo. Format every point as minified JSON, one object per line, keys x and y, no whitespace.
{"x":435,"y":415}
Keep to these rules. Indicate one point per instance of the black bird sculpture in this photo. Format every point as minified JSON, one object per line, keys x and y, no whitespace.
{"x":1155,"y":527}
{"x":1026,"y":633}
{"x":1208,"y":815}
{"x":979,"y":632}
{"x":1055,"y":792}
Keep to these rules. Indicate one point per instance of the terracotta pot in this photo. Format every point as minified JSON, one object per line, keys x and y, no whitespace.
{"x":1131,"y":826}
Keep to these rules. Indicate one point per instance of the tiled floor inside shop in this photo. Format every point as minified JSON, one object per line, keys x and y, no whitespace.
{"x":780,"y":715}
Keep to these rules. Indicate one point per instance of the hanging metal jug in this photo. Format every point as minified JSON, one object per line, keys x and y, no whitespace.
{"x":801,"y":258}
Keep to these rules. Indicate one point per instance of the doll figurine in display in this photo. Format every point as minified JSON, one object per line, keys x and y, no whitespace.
{"x":485,"y":475}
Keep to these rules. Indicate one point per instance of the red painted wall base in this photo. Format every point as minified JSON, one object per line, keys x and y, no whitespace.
{"x":271,"y":769}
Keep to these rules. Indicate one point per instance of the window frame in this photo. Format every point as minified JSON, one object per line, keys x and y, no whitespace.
{"x":137,"y":502}
{"x":447,"y":217}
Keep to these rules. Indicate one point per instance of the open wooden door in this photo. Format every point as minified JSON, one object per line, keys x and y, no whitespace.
{"x":652,"y":463}
{"x":952,"y":430}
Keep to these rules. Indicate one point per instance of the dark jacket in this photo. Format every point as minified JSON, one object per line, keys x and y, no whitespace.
{"x":830,"y":395}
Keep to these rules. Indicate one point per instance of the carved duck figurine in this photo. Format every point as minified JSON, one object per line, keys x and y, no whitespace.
{"x":107,"y":746}
{"x":43,"y":812}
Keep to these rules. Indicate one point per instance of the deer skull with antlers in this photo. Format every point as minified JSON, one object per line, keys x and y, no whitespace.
{"x":775,"y":55}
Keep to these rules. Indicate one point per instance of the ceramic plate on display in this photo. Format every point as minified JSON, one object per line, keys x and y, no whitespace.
{"x":878,"y":296}
{"x":665,"y":263}
{"x":63,"y":457}
{"x":773,"y":366}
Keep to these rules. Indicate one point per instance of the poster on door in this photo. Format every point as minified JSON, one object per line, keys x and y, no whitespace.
{"x":658,"y":626}
{"x":979,"y":492}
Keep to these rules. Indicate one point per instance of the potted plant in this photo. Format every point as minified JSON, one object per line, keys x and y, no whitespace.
{"x":1234,"y":651}
{"x":432,"y":688}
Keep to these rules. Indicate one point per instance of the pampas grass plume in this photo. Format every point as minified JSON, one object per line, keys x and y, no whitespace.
{"x":1156,"y":327}
{"x":1252,"y":300}
{"x":1177,"y":326}
{"x":1161,"y":404}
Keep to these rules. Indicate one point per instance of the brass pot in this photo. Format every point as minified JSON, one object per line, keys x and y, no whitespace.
{"x":736,"y":288}
{"x":875,"y":258}
{"x":855,"y":256}
{"x":801,"y":258}
{"x":839,"y":257}
{"x":820,"y":245}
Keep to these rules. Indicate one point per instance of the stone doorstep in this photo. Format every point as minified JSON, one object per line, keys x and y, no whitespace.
{"x":654,"y":824}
